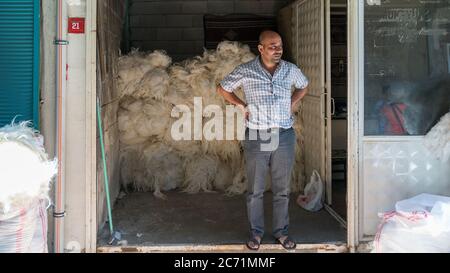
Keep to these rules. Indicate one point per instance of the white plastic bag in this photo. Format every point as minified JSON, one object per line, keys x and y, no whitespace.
{"x":419,"y":225}
{"x":312,"y":200}
{"x":24,"y":230}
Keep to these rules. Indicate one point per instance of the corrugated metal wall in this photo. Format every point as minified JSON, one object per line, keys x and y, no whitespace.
{"x":110,"y":19}
{"x":309,"y":55}
{"x":19,"y":60}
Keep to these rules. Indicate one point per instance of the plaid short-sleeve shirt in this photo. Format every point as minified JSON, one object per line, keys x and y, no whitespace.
{"x":268,"y":97}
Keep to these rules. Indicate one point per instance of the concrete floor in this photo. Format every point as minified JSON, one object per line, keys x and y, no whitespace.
{"x":339,"y":198}
{"x":209,"y":219}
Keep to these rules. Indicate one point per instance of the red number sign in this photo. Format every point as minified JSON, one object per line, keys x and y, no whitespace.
{"x":76,"y":25}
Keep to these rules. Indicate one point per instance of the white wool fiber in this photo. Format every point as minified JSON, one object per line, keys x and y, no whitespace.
{"x":158,"y":59}
{"x":223,"y":149}
{"x":163,"y":170}
{"x":154,"y":85}
{"x":151,"y":87}
{"x":437,"y":141}
{"x":132,"y":167}
{"x":239,"y":184}
{"x":200,"y":174}
{"x":134,"y":73}
{"x":25,"y":171}
{"x":150,"y":168}
{"x":224,"y":177}
{"x":140,"y":120}
{"x":185,"y":148}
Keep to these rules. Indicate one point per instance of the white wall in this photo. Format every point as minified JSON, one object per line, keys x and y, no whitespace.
{"x":75,"y":142}
{"x":76,"y":122}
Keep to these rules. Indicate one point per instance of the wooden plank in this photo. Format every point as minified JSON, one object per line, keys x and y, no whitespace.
{"x":304,"y":248}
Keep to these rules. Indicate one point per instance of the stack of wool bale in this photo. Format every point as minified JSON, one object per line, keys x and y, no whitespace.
{"x":154,"y":95}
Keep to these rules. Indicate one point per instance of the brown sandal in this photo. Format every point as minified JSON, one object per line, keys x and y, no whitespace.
{"x":253,"y":244}
{"x":288,"y":243}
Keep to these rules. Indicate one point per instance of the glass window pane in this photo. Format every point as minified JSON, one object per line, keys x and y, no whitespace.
{"x":407,"y":66}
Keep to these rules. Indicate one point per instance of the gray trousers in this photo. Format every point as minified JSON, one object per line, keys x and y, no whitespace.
{"x":280,"y":162}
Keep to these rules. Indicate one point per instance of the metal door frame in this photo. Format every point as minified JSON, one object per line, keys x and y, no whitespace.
{"x":355,"y":87}
{"x":355,"y":91}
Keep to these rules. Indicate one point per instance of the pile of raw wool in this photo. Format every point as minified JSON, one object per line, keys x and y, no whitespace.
{"x":154,"y":95}
{"x":25,"y":170}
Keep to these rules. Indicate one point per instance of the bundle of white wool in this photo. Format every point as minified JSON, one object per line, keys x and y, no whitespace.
{"x":155,"y":95}
{"x":25,"y":169}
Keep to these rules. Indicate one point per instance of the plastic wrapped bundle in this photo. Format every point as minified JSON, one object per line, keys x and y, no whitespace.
{"x":25,"y":175}
{"x":25,"y":230}
{"x":418,"y":225}
{"x":25,"y":170}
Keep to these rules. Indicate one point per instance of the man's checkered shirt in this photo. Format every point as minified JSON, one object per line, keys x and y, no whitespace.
{"x":268,"y":97}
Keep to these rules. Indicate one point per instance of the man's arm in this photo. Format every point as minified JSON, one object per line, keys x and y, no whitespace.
{"x":298,"y":95}
{"x":233,"y":99}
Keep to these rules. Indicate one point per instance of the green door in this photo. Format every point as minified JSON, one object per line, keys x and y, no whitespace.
{"x":19,"y":61}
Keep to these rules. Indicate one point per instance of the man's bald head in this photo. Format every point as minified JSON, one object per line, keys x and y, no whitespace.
{"x":268,"y":35}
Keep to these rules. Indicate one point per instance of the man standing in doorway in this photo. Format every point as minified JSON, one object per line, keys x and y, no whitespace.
{"x":268,"y":82}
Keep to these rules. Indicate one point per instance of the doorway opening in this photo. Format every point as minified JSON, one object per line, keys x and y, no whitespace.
{"x":214,"y":219}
